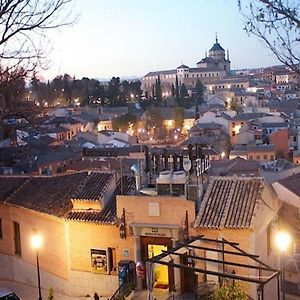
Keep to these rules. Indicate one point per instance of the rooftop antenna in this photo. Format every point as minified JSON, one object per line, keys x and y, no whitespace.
{"x":216,"y":38}
{"x":205,"y":54}
{"x":227,"y":54}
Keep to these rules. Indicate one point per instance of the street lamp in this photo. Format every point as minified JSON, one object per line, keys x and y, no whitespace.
{"x":283,"y":241}
{"x":36,"y":242}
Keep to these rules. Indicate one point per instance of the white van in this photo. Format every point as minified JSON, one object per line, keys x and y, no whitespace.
{"x":6,"y":294}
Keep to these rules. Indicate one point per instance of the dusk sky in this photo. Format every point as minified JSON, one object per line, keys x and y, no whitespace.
{"x":133,"y":37}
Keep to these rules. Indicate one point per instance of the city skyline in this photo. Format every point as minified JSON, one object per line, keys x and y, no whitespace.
{"x":130,"y":38}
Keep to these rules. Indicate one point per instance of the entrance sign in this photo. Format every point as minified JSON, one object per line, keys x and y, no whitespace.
{"x":140,"y":270}
{"x":187,"y":164}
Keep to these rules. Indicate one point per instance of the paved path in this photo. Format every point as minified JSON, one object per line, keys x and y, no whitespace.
{"x":161,"y":295}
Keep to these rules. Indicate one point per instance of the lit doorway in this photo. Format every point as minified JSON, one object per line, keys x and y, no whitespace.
{"x":151,"y":246}
{"x":161,"y":273}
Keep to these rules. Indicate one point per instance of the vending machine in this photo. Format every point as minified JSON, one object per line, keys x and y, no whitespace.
{"x":126,"y":272}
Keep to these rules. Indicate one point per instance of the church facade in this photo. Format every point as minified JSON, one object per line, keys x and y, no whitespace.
{"x":209,"y":70}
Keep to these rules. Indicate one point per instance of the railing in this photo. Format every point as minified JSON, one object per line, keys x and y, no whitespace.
{"x":118,"y":292}
{"x":122,"y":291}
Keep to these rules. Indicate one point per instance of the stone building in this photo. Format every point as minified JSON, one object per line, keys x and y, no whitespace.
{"x":210,"y":69}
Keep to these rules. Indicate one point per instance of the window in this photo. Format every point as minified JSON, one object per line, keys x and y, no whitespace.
{"x":272,"y":157}
{"x":265,"y":157}
{"x":295,"y":139}
{"x":17,"y":238}
{"x":99,"y":260}
{"x":250,"y":157}
{"x":104,"y":261}
{"x":1,"y":235}
{"x":233,"y":133}
{"x":258,"y":157}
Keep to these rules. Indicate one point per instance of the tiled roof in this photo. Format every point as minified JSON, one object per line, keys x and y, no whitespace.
{"x":49,"y":195}
{"x":237,"y":164}
{"x":211,"y":125}
{"x":208,"y":69}
{"x":247,"y":116}
{"x":183,"y":67}
{"x":229,"y":202}
{"x":276,"y":125}
{"x":52,"y":194}
{"x":260,"y":148}
{"x":200,"y":140}
{"x":108,"y":215}
{"x":9,"y":185}
{"x":163,"y":72}
{"x":94,"y":186}
{"x":292,"y":183}
{"x":206,"y":60}
{"x":216,"y":47}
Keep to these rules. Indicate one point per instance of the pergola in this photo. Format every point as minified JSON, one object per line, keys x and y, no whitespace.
{"x":196,"y":243}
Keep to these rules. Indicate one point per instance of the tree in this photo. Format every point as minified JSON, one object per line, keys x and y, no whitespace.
{"x":114,"y":91}
{"x":277,"y":24}
{"x":199,"y":91}
{"x":173,"y":90}
{"x":199,"y":97}
{"x":183,"y":94}
{"x":158,"y":92}
{"x":23,"y":27}
{"x":24,"y":45}
{"x":178,"y":115}
{"x":230,"y":291}
{"x":153,"y":117}
{"x":176,"y":90}
{"x":123,"y":122}
{"x":12,"y":87}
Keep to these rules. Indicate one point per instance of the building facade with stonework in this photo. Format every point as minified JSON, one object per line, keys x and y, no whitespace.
{"x":90,"y":224}
{"x":211,"y":69}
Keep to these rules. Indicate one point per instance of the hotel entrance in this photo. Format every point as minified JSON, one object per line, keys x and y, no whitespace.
{"x":163,"y":275}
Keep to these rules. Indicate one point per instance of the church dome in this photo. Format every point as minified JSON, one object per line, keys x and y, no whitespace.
{"x":216,"y":47}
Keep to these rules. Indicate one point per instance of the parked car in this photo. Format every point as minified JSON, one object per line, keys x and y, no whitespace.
{"x":6,"y":294}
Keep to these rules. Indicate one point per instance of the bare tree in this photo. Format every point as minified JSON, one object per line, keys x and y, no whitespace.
{"x":23,"y":28}
{"x":277,"y":24}
{"x":24,"y":44}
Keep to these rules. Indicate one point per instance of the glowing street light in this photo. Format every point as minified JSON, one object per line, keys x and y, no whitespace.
{"x":36,"y":243}
{"x":223,"y":154}
{"x":283,"y":240}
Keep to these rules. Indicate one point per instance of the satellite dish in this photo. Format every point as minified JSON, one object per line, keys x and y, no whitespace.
{"x":187,"y":164}
{"x":137,"y":106}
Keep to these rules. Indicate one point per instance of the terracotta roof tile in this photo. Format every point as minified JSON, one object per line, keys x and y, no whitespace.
{"x":292,"y":183}
{"x":229,"y":202}
{"x":108,"y":215}
{"x":94,"y":186}
{"x":49,"y":195}
{"x":9,"y":185}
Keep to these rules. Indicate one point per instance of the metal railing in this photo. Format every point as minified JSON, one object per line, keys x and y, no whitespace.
{"x":118,"y":292}
{"x":122,"y":291}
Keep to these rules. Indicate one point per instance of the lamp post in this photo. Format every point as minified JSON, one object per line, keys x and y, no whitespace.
{"x":36,"y":242}
{"x":283,"y":240}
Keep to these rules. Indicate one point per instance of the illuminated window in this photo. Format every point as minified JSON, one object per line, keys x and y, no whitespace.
{"x":99,"y":260}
